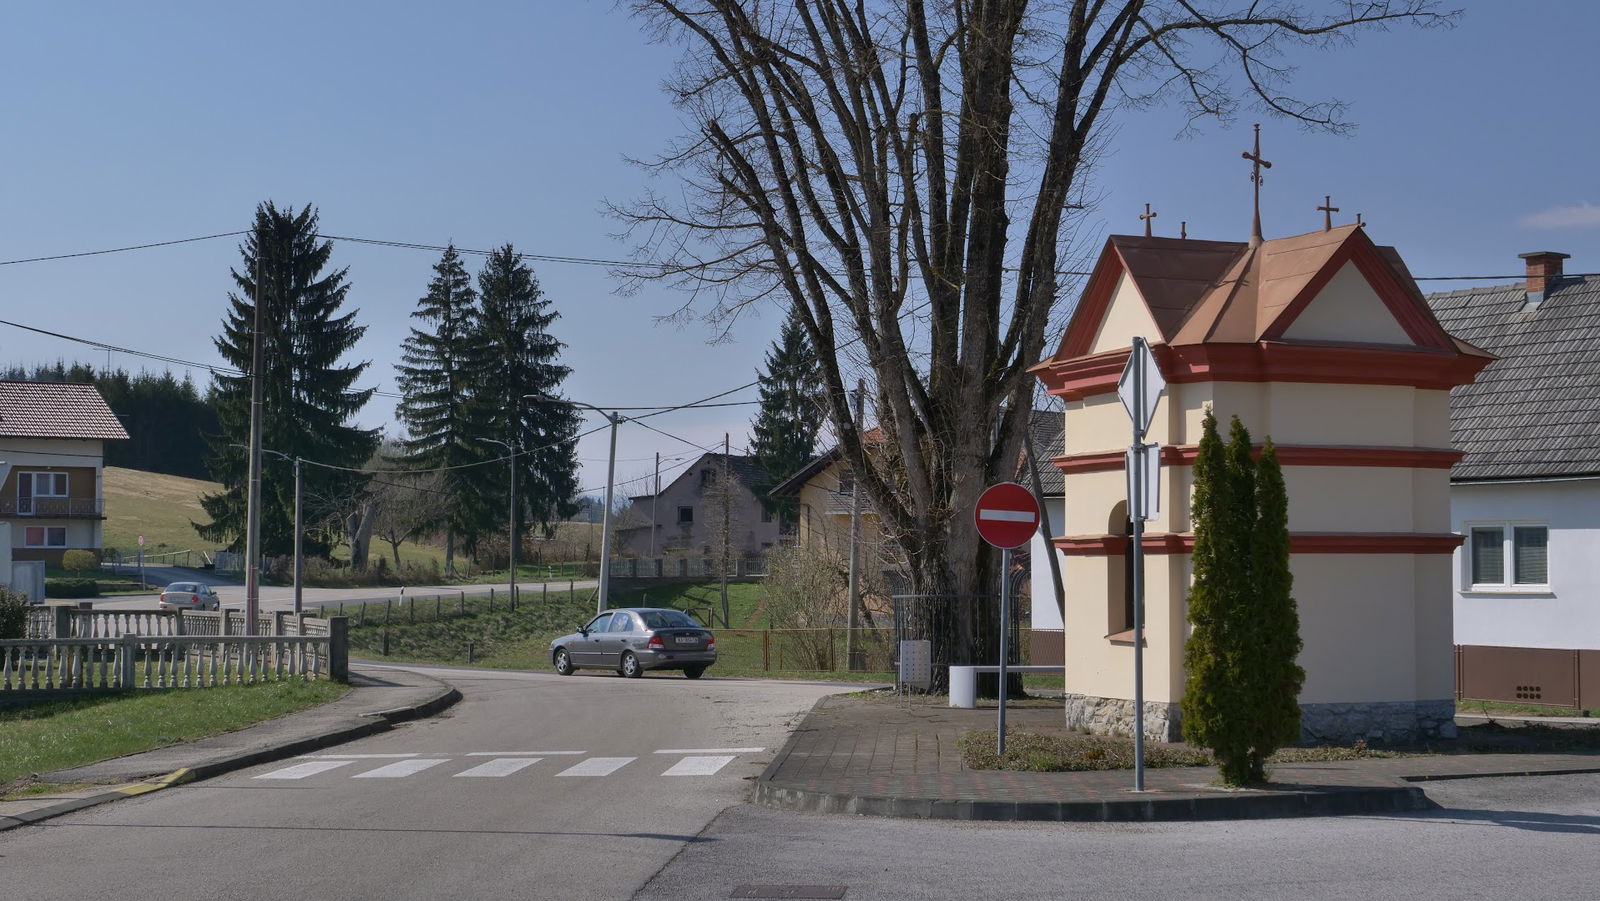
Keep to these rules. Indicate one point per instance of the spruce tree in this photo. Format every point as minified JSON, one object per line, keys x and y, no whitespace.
{"x":790,"y":415}
{"x":436,"y":379}
{"x":307,"y":396}
{"x":1274,"y":676}
{"x":515,"y":355}
{"x":1242,"y":689}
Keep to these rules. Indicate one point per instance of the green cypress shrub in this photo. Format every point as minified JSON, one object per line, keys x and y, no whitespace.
{"x":1277,"y":678}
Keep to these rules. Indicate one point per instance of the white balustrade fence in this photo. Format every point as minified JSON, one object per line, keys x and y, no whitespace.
{"x":177,"y":661}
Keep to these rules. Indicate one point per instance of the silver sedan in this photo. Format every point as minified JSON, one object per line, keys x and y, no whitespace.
{"x":634,"y":639}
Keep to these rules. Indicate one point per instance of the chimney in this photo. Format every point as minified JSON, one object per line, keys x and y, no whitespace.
{"x":1544,"y":270}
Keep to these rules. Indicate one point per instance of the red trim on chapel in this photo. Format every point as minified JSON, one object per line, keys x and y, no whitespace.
{"x":1358,"y":248}
{"x":1299,"y":543}
{"x":1288,"y":455}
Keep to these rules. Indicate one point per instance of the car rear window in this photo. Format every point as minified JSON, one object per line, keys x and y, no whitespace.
{"x":183,"y":586}
{"x":668,"y":619}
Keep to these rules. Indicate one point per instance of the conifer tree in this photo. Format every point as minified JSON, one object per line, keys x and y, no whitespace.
{"x":436,"y":377}
{"x":1242,"y":689}
{"x":516,"y":355}
{"x":307,"y":396}
{"x":790,"y":416}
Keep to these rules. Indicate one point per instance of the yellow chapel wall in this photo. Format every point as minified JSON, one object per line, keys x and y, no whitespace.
{"x":1126,"y":315}
{"x":1347,"y":309}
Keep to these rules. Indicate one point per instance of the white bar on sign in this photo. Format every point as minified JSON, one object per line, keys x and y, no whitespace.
{"x":597,"y":766}
{"x":401,"y":769}
{"x":500,"y":766}
{"x":1008,"y":515}
{"x":302,"y":770}
{"x":698,"y":766}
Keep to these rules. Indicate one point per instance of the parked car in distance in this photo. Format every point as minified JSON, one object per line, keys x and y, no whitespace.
{"x":190,"y":596}
{"x":631,"y":640}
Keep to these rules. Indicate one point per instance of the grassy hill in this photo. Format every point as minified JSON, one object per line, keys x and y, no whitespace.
{"x":160,"y":507}
{"x":157,"y":506}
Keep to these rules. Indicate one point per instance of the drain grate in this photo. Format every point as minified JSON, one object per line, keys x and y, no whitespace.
{"x":828,"y":892}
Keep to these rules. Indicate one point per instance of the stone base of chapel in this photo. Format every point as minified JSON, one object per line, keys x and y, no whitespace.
{"x":1376,"y":722}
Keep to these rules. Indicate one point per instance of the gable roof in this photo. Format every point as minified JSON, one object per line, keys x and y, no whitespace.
{"x":743,"y":468}
{"x":55,"y":410}
{"x":1531,"y":414}
{"x":1224,"y":292}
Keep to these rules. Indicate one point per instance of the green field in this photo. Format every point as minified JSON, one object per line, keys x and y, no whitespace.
{"x":61,"y":734}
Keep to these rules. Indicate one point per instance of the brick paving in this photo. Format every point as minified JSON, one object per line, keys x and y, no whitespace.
{"x":898,"y":758}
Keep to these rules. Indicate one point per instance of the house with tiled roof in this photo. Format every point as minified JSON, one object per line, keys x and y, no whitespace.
{"x":1526,"y":493}
{"x":1324,"y":343}
{"x":52,"y":446}
{"x":689,"y":515}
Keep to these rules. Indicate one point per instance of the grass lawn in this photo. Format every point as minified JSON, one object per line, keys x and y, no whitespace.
{"x":59,"y":734}
{"x":157,"y":506}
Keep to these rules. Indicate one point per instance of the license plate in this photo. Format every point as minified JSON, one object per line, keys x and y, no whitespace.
{"x":686,"y":639}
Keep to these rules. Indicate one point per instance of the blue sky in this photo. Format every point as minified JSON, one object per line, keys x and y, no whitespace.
{"x":136,"y":123}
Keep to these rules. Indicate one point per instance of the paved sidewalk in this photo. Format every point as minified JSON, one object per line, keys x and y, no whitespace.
{"x":878,"y":757}
{"x":382,"y":697}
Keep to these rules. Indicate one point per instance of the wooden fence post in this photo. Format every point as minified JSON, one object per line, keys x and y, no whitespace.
{"x":766,"y":650}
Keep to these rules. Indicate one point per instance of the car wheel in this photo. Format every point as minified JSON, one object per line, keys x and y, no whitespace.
{"x":694,"y":672}
{"x":630,"y":666}
{"x":563,"y":663}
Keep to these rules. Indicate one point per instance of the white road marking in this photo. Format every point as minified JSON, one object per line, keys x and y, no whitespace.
{"x":712,"y":751}
{"x":302,"y":770}
{"x":698,"y":766}
{"x":357,"y":756}
{"x":520,"y":753}
{"x":403,"y":768}
{"x":597,"y":766}
{"x":500,"y":766}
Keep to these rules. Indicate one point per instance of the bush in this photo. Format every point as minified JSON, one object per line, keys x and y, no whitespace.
{"x":13,"y":614}
{"x":79,"y":560}
{"x":71,"y":588}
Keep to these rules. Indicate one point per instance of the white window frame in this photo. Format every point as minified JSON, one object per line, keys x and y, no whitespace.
{"x":47,"y":530}
{"x":1508,"y":560}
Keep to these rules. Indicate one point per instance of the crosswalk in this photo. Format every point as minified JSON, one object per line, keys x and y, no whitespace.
{"x":503,"y":764}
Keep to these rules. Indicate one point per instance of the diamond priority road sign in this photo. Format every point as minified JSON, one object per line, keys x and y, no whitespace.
{"x":1007,"y":515}
{"x":1141,"y":385}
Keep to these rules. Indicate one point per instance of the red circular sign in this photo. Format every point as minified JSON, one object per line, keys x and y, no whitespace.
{"x":1007,"y":515}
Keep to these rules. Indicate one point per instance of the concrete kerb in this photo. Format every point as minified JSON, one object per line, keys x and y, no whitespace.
{"x":378,"y":721}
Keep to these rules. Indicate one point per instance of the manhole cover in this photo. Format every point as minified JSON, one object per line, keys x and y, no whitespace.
{"x":834,"y":892}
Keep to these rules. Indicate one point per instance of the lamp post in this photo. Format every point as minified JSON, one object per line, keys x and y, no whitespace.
{"x":299,"y":558}
{"x":611,"y":468}
{"x":512,"y":526}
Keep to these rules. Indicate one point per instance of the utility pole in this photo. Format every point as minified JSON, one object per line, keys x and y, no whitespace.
{"x":855,"y":541}
{"x":727,"y":524}
{"x":511,"y":528}
{"x":654,"y":500}
{"x":252,"y":529}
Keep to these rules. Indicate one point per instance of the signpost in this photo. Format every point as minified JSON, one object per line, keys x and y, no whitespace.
{"x":1007,"y":516}
{"x":1140,"y":390}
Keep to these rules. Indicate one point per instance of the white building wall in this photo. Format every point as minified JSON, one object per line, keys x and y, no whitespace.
{"x":1045,"y":612}
{"x":1565,"y":616}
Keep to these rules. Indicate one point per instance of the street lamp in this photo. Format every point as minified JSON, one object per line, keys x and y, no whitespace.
{"x":512,"y":526}
{"x":611,"y":467}
{"x":299,"y":559}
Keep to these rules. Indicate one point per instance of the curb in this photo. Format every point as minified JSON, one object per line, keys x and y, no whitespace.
{"x":1289,"y":802}
{"x":379,"y":721}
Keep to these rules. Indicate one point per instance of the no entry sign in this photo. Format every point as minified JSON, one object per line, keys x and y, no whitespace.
{"x":1007,"y":515}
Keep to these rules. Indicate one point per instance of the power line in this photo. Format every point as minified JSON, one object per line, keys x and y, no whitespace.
{"x":94,"y":253}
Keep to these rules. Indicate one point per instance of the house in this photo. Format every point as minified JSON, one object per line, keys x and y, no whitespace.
{"x":690,"y":515}
{"x":51,"y":490}
{"x":1527,"y":492}
{"x":1045,"y":638}
{"x":1324,"y":343}
{"x":825,"y":493}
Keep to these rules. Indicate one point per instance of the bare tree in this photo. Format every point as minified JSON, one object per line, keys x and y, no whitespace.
{"x":898,"y":173}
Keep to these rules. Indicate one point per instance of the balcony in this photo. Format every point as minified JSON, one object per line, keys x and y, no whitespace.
{"x":53,"y":507}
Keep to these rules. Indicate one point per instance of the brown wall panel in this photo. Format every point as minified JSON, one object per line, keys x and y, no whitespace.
{"x":1520,"y":675}
{"x":1047,"y":647}
{"x":1589,"y":679}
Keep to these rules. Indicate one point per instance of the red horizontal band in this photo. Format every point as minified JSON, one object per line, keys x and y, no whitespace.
{"x":1288,"y":455}
{"x":1299,"y":543}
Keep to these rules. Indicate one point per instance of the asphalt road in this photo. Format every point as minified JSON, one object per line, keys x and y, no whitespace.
{"x":535,"y":786}
{"x":1521,"y":838}
{"x":276,"y":597}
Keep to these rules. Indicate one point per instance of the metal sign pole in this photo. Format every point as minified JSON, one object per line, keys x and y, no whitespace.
{"x":1005,"y":629}
{"x":1137,"y":586}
